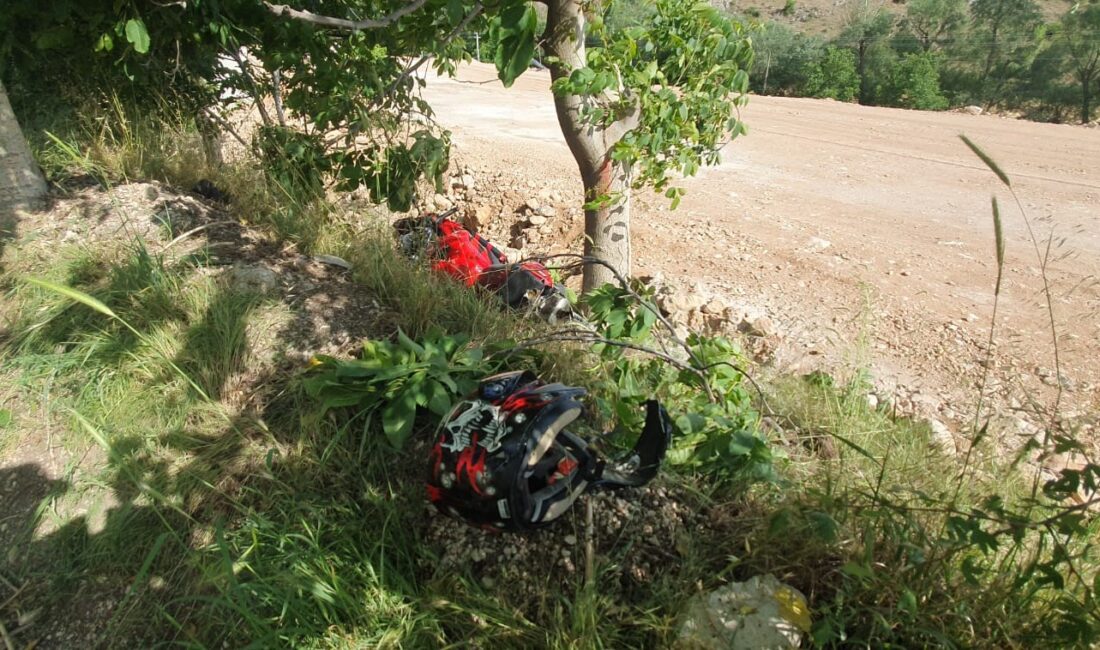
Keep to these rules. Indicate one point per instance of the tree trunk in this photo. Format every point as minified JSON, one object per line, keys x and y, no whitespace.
{"x":21,"y":184}
{"x":1086,"y":101}
{"x":864,"y":87}
{"x":606,"y":229}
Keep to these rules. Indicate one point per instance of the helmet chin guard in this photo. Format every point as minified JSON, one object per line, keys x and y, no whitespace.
{"x":504,"y":458}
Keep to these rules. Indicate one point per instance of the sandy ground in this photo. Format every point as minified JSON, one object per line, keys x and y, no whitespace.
{"x":849,"y":223}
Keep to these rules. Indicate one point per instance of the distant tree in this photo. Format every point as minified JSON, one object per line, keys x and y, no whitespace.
{"x":935,"y":21}
{"x":1003,"y":35}
{"x":834,"y":76}
{"x":915,"y":83}
{"x":783,"y":59}
{"x":867,"y":26}
{"x":1079,"y":37}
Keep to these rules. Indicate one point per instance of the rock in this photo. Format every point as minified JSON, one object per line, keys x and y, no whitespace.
{"x":714,"y":307}
{"x":941,"y":436}
{"x":819,"y":244}
{"x":570,"y":539}
{"x":467,"y":181}
{"x":677,"y":301}
{"x":253,"y":279}
{"x":532,"y":204}
{"x":973,"y":110}
{"x":758,"y":613}
{"x":441,"y":202}
{"x":332,"y":260}
{"x":548,"y":211}
{"x":536,"y":220}
{"x":761,"y":326}
{"x":480,"y":218}
{"x":872,"y":401}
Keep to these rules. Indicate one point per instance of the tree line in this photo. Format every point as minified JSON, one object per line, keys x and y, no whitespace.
{"x":997,"y":54}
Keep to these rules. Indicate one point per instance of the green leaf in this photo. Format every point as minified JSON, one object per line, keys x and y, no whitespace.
{"x":5,"y":418}
{"x":454,"y":11}
{"x":823,"y":525}
{"x":439,"y":400}
{"x":908,"y":601}
{"x":105,"y":43}
{"x":137,"y":35}
{"x":517,"y":43}
{"x":857,"y":570}
{"x":397,"y":418}
{"x":409,"y":344}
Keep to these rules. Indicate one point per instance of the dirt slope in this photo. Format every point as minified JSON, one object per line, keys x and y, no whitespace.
{"x":842,"y":221}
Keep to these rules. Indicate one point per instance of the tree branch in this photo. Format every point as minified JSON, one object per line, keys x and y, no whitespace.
{"x":341,"y":23}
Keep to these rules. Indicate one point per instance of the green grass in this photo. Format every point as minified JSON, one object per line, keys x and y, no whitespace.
{"x":256,"y":521}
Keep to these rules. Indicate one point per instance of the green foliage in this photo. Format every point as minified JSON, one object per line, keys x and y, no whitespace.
{"x":917,"y":553}
{"x":684,"y":70}
{"x":915,"y":83}
{"x":394,"y":380}
{"x":713,"y":414}
{"x":936,"y":22}
{"x":867,"y":28}
{"x":294,"y":161}
{"x":784,"y":59}
{"x":835,"y":76}
{"x":515,"y":38}
{"x":1003,"y":33}
{"x":624,"y":14}
{"x":1079,"y":38}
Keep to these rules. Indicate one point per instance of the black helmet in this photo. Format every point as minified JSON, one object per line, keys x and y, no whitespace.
{"x":503,"y":458}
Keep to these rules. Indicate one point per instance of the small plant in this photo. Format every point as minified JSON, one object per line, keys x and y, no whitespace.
{"x":789,"y":7}
{"x":394,"y":380}
{"x":712,"y":411}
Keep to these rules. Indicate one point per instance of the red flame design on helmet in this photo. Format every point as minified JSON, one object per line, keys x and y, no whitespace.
{"x":471,"y":463}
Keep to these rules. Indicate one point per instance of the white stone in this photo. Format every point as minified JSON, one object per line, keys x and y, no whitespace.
{"x":441,"y":202}
{"x":941,"y":436}
{"x":254,"y":279}
{"x":758,"y":613}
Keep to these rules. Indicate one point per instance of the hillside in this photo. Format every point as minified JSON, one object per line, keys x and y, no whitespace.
{"x":826,"y":18}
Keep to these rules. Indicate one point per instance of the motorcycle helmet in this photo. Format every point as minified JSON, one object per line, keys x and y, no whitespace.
{"x":504,"y":459}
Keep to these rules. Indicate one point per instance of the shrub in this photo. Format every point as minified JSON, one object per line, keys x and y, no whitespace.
{"x":915,"y":83}
{"x":834,"y":76}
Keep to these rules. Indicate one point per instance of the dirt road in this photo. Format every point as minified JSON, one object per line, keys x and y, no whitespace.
{"x":864,"y":233}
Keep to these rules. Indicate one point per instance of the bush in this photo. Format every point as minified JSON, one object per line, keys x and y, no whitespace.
{"x":915,"y":83}
{"x":834,"y":76}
